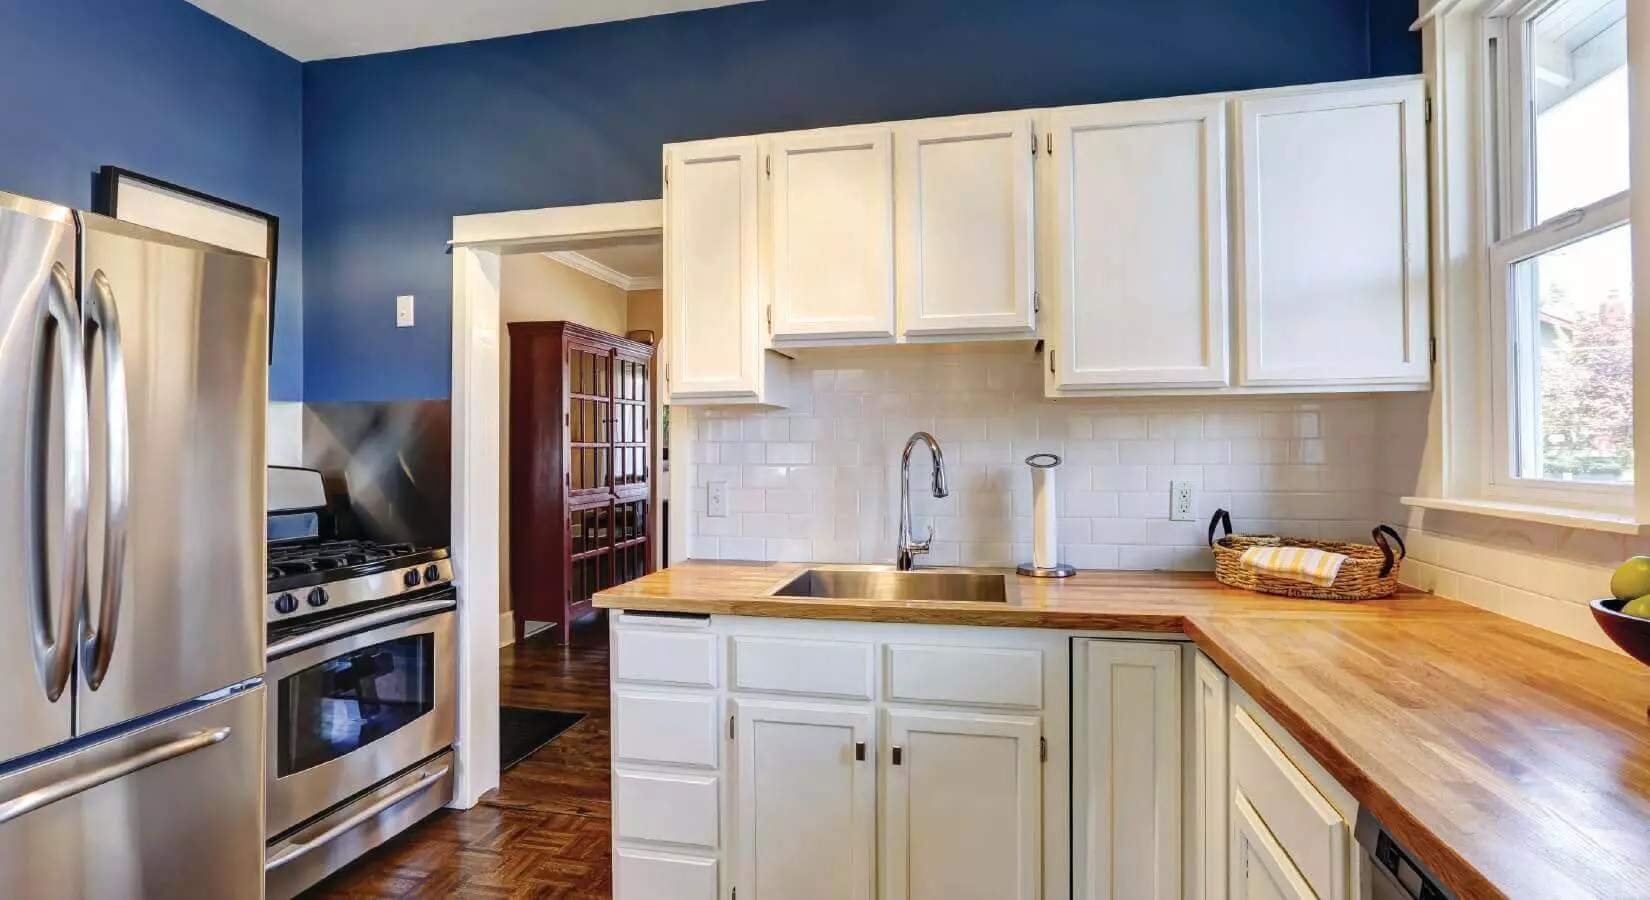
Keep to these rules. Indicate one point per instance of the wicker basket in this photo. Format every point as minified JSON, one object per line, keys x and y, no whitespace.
{"x":1370,"y":571}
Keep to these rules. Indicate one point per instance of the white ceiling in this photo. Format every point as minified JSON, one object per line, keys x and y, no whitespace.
{"x":325,"y":29}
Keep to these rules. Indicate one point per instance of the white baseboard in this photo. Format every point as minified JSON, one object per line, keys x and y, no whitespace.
{"x":506,"y":628}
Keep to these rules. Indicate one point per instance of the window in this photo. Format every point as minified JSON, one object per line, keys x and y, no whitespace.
{"x":1560,"y":265}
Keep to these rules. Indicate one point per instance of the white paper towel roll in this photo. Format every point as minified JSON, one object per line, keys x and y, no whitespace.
{"x":1044,"y":540}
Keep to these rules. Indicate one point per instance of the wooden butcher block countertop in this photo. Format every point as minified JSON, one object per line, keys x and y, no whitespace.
{"x":1514,"y":762}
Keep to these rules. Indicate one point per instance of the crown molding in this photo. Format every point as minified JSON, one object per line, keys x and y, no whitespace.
{"x":581,"y":263}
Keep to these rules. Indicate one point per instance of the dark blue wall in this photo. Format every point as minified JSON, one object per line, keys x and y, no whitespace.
{"x":397,"y":144}
{"x":162,"y":88}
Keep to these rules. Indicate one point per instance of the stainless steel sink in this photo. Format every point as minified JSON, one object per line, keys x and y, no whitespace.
{"x":889,"y":584}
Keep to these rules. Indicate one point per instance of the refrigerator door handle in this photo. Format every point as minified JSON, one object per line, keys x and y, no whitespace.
{"x":103,"y":322}
{"x":61,"y":349}
{"x":296,"y":850}
{"x":79,"y":784}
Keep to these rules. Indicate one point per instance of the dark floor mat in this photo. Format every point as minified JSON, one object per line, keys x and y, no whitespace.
{"x":522,"y":731}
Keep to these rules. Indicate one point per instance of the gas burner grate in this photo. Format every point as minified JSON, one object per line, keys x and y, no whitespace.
{"x":305,"y":559}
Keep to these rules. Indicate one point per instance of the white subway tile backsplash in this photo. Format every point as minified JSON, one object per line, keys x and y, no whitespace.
{"x":820,"y":481}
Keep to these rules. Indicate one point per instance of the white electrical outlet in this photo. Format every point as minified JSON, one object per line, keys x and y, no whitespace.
{"x":1182,"y":501}
{"x":404,"y":311}
{"x":716,"y":505}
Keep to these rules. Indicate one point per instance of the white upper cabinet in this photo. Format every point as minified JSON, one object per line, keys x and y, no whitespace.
{"x":831,"y":205}
{"x":712,"y":271}
{"x":964,"y":189}
{"x":1333,"y":236}
{"x":1138,"y":244}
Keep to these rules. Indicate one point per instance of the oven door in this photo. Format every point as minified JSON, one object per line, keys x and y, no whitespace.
{"x":362,"y":702}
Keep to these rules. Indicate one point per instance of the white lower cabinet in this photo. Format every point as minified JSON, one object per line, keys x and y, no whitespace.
{"x":647,"y":875}
{"x":962,"y":806}
{"x":806,"y":801}
{"x":1127,"y":777}
{"x":1261,"y":869}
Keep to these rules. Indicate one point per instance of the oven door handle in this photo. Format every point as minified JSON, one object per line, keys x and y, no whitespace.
{"x":294,"y":851}
{"x":357,"y":625}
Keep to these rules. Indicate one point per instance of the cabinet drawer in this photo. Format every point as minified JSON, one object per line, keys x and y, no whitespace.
{"x":972,"y":676}
{"x":665,"y":657}
{"x":820,"y":668}
{"x":1297,"y":815}
{"x":679,"y":729}
{"x":645,"y":875}
{"x":666,"y":807}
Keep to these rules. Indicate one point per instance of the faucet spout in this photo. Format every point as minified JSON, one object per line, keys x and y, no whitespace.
{"x":908,"y":547}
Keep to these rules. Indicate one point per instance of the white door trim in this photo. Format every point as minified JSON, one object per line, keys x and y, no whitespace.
{"x":479,"y":241}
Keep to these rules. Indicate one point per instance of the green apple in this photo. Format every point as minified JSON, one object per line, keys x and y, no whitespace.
{"x":1638,"y":607}
{"x":1632,"y":578}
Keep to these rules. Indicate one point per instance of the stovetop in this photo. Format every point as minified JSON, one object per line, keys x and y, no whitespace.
{"x":343,"y":556}
{"x":311,"y":576}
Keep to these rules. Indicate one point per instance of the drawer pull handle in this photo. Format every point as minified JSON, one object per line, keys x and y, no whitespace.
{"x":899,"y":756}
{"x":859,"y":751}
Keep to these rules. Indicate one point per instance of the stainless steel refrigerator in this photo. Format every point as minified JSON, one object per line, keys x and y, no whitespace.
{"x":133,"y":371}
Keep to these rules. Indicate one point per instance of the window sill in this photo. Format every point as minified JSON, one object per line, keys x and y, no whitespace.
{"x":1523,"y":512}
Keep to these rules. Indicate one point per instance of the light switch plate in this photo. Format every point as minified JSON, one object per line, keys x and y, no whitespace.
{"x":404,"y":311}
{"x":716,"y":501}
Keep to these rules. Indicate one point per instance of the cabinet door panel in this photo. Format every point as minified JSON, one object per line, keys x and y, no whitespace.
{"x":1332,"y":188}
{"x":645,"y":875}
{"x":832,"y":208}
{"x":1128,"y":772}
{"x":962,"y":806}
{"x":1261,"y":870}
{"x":806,"y":801}
{"x":711,"y":269}
{"x":1210,"y":797}
{"x":965,"y":225}
{"x":1140,"y":243}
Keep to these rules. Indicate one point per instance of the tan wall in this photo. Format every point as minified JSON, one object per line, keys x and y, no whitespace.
{"x":535,"y":288}
{"x":647,"y":311}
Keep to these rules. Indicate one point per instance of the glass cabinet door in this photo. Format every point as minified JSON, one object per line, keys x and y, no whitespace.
{"x":589,"y":419}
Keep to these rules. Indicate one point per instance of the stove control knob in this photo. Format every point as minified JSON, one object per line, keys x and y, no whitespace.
{"x":410,"y":579}
{"x":286,"y":604}
{"x":317,"y":597}
{"x":432,"y":573}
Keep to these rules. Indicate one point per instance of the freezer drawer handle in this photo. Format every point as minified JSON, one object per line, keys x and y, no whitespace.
{"x":357,"y":625}
{"x":293,"y":851}
{"x":69,"y":787}
{"x":54,"y":652}
{"x":98,"y":646}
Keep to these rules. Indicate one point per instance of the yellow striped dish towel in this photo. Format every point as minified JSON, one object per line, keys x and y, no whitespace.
{"x":1317,"y":567}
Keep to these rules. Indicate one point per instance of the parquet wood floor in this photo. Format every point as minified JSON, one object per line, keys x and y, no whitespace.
{"x":544,"y":833}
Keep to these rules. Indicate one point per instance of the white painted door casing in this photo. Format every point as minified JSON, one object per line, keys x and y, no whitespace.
{"x":1139,"y":244}
{"x":965,"y":194}
{"x":713,"y":270}
{"x":1332,"y":236}
{"x":1127,"y":780}
{"x":962,"y":808}
{"x":805,"y":776}
{"x":831,"y":207}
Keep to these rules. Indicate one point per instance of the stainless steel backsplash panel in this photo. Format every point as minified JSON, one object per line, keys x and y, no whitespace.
{"x":393,"y":463}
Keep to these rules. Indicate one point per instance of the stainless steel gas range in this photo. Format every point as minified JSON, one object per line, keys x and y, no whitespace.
{"x":363,"y":687}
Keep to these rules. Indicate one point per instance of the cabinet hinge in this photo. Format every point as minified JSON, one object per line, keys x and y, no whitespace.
{"x":1034,"y":143}
{"x":1036,"y":301}
{"x":1042,"y":748}
{"x":770,"y":318}
{"x":567,"y":418}
{"x":770,"y":165}
{"x":1050,"y":147}
{"x":730,"y":727}
{"x":1432,"y":350}
{"x":667,"y":174}
{"x":1051,"y":360}
{"x":1428,"y":107}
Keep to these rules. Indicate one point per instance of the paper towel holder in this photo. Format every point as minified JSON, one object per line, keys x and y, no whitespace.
{"x":1058,"y":570}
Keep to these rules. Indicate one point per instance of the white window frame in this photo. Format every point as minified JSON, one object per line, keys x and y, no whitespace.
{"x":1476,"y":164}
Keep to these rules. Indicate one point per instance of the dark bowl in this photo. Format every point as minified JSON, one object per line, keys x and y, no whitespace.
{"x":1630,"y":633}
